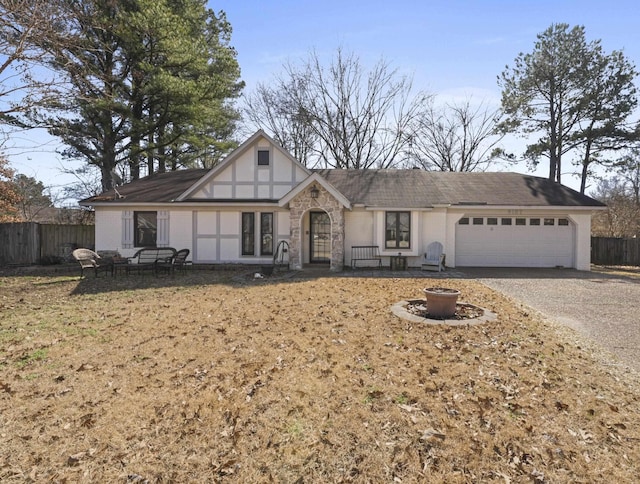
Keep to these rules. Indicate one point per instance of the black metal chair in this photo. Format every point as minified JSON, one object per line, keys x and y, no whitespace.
{"x":177,"y":262}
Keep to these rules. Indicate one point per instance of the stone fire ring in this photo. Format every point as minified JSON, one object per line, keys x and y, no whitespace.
{"x":400,"y":310}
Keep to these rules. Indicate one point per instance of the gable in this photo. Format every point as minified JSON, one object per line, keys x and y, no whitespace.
{"x":258,"y":170}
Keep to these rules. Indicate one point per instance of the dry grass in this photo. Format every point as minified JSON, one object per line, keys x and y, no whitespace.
{"x":632,"y":272}
{"x":212,"y":377}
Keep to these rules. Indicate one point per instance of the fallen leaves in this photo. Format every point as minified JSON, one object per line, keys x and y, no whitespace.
{"x":206,"y":379}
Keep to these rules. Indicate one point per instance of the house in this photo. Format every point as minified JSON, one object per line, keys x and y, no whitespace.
{"x":241,"y":210}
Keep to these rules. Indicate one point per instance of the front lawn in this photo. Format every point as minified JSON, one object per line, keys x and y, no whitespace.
{"x":216,"y":377}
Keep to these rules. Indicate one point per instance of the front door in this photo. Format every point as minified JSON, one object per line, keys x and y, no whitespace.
{"x":319,"y":237}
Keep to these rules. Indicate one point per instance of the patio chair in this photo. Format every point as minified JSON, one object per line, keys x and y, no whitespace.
{"x":88,"y":259}
{"x":177,"y":262}
{"x":434,"y":258}
{"x":180,"y":261}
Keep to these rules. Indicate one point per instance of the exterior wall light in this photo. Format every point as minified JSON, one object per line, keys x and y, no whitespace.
{"x":314,"y":192}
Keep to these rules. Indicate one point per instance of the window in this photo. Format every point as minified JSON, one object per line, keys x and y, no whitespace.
{"x":398,"y":230}
{"x":263,"y":157}
{"x":521,"y":221}
{"x":492,"y":221}
{"x":534,"y":221}
{"x":146,"y":229}
{"x":248,"y":233}
{"x":478,"y":221}
{"x":563,"y":221}
{"x":464,"y":221}
{"x":505,"y":221}
{"x":266,"y":234}
{"x":549,"y":221}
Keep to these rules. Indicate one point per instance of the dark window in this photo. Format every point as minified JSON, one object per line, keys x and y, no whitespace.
{"x":146,"y":229}
{"x":563,"y":221}
{"x":505,"y":221}
{"x":478,"y":221}
{"x":521,"y":221}
{"x":549,"y":221}
{"x":248,"y":233}
{"x":398,"y":230}
{"x":266,"y":234}
{"x":464,"y":221}
{"x":492,"y":221}
{"x":534,"y":221}
{"x":263,"y":157}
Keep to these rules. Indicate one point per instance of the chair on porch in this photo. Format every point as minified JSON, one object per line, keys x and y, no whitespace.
{"x":434,"y":258}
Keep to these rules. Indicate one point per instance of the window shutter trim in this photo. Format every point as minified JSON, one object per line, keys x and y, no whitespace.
{"x":163,"y":228}
{"x":127,"y":229}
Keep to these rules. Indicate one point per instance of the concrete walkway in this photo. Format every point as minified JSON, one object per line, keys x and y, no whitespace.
{"x":605,"y":308}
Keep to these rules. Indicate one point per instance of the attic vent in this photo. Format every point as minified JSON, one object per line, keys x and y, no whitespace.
{"x":263,"y":157}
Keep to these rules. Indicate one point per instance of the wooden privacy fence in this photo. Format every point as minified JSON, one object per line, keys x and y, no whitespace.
{"x":614,"y":251}
{"x":33,"y":243}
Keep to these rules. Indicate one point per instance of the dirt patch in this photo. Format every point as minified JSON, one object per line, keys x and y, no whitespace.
{"x":218,"y":377}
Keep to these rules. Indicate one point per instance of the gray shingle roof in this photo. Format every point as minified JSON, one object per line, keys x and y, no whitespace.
{"x":419,"y":188}
{"x":385,"y":188}
{"x":162,"y":187}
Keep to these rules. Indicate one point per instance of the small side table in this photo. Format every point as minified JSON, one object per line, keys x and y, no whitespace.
{"x":398,"y":262}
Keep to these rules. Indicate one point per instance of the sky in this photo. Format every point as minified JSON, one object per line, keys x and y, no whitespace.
{"x":453,"y":49}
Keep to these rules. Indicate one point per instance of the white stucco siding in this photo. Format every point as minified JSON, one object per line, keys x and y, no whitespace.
{"x":582,"y":224}
{"x":181,"y":230}
{"x":229,"y":223}
{"x":264,"y":191}
{"x":244,"y":179}
{"x":282,"y":168}
{"x":205,"y":250}
{"x":225,"y":175}
{"x":358,"y":228}
{"x":434,"y":229}
{"x":280,"y":191}
{"x":366,"y":227}
{"x":283,"y":225}
{"x":110,"y":224}
{"x":109,"y":230}
{"x":218,"y":235}
{"x":206,"y":222}
{"x":229,"y":250}
{"x":244,"y":167}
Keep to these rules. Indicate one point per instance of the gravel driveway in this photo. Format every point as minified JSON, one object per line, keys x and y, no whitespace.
{"x":605,"y":308}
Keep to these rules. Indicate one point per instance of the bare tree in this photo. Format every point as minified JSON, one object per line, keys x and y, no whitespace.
{"x":455,"y":137}
{"x":272,"y":109}
{"x":622,"y":215}
{"x":22,"y":24}
{"x":628,"y":168}
{"x":339,"y":115}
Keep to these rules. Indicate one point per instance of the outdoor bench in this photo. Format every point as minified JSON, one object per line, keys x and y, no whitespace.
{"x":148,"y":258}
{"x":365,"y":253}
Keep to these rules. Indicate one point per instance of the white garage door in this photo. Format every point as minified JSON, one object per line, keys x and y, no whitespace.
{"x":514,"y":242}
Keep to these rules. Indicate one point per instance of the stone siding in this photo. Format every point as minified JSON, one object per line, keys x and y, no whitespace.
{"x":302,"y":204}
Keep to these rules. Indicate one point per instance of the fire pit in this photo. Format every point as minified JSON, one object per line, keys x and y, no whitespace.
{"x":441,"y":301}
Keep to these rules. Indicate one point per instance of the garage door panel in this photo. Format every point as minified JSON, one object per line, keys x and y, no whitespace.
{"x":514,"y":246}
